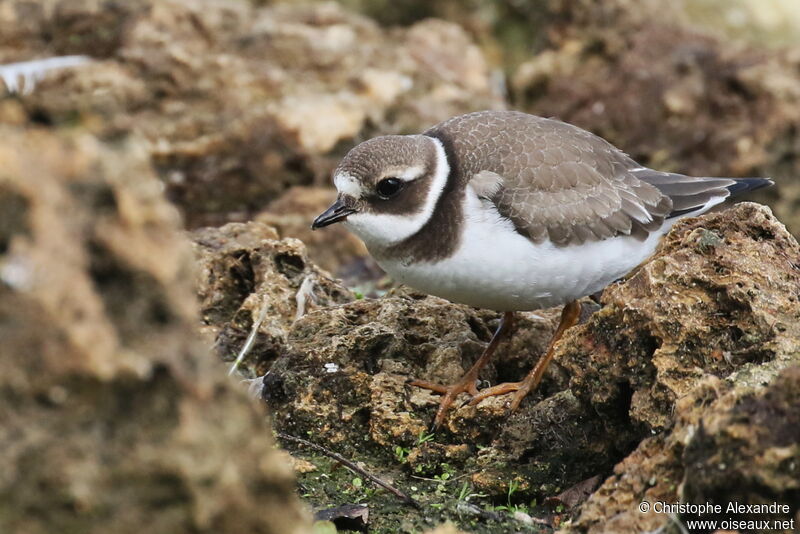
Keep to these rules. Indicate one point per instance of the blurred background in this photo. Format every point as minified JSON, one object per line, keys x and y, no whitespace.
{"x":123,"y":123}
{"x":244,"y":107}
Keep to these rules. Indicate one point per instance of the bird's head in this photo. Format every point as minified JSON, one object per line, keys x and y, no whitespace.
{"x":388,"y":188}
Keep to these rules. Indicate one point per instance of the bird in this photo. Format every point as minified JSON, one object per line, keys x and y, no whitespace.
{"x":509,"y":211}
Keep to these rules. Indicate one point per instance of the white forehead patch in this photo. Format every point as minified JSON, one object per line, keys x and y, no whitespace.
{"x":347,"y":184}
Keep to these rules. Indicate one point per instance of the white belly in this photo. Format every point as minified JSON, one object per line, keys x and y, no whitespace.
{"x":497,"y":268}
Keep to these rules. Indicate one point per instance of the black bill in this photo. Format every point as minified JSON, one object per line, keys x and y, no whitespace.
{"x":337,"y":212}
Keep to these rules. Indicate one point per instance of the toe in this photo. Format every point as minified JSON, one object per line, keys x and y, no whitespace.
{"x":433,"y":386}
{"x":500,"y":389}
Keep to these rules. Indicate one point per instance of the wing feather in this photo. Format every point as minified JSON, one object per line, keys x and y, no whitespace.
{"x":576,"y":188}
{"x":559,"y":182}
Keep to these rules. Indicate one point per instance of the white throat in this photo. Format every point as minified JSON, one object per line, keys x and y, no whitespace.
{"x":383,"y":230}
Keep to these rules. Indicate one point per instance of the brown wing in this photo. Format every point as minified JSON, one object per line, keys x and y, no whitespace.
{"x":558,"y":182}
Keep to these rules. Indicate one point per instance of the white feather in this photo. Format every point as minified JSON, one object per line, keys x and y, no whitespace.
{"x":409,"y":173}
{"x":495,"y":267}
{"x":486,"y":183}
{"x":347,"y":185}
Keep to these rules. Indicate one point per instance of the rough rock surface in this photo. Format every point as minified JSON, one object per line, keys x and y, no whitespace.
{"x":249,"y":278}
{"x":723,"y":292}
{"x":734,"y":440}
{"x":719,"y":303}
{"x":691,"y":345}
{"x":115,"y":415}
{"x":239,"y":101}
{"x":682,"y":386}
{"x":335,"y":249}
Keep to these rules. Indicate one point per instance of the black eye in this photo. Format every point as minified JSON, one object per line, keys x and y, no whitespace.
{"x":388,"y":187}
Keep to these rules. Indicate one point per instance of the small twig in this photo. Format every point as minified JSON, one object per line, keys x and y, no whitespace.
{"x":352,"y":467}
{"x":248,"y":344}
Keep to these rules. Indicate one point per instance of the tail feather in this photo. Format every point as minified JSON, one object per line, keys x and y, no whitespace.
{"x":745,"y":185}
{"x":692,"y":195}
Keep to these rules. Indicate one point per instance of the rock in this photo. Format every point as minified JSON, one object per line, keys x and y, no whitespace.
{"x":238,"y":102}
{"x":721,"y":293}
{"x":114,"y":413}
{"x":746,"y":448}
{"x":376,"y":346}
{"x":248,"y":276}
{"x":734,"y":441}
{"x":301,"y":466}
{"x":650,"y":473}
{"x":718,"y":306}
{"x":717,"y":302}
{"x":336,"y":249}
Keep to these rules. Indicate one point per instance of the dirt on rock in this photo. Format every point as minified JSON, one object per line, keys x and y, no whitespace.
{"x":115,"y":415}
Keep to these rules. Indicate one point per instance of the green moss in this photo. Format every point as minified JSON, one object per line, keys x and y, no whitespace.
{"x":447,"y":497}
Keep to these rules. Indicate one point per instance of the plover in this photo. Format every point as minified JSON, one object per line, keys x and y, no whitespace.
{"x":511,"y":212}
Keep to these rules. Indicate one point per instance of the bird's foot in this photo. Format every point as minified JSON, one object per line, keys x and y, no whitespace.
{"x":569,"y":318}
{"x":465,"y":385}
{"x":468,"y":385}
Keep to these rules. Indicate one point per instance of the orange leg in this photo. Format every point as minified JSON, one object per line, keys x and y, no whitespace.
{"x":569,"y":317}
{"x":467,"y":382}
